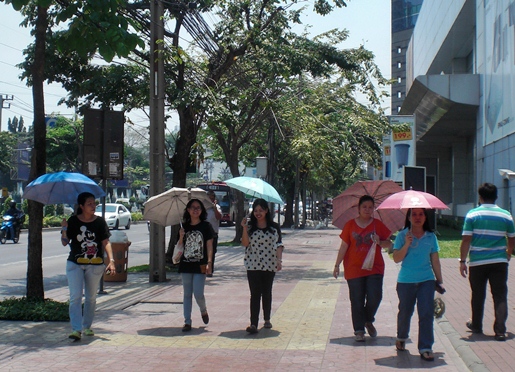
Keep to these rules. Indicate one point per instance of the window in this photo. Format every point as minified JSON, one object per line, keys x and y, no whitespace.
{"x":399,"y":64}
{"x":399,"y":50}
{"x":399,"y":80}
{"x":399,"y":94}
{"x":398,"y":109}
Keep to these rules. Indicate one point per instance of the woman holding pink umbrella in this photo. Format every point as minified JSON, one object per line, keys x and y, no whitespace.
{"x":417,"y":248}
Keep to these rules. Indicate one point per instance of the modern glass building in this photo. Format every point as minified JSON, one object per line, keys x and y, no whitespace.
{"x":460,"y":84}
{"x":404,"y":18}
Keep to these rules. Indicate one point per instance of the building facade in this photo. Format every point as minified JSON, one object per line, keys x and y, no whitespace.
{"x":404,"y":18}
{"x":460,"y":84}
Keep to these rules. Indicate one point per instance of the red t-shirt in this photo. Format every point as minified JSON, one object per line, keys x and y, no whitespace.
{"x":359,"y":241}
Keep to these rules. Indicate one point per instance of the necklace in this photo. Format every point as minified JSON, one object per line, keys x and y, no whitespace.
{"x":362,"y":223}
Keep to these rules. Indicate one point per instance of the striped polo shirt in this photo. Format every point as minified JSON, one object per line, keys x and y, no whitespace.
{"x":489,"y":226}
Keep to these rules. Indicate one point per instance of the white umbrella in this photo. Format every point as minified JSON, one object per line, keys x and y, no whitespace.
{"x":167,"y":208}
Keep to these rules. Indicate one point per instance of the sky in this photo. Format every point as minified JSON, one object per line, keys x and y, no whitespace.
{"x":368,"y":22}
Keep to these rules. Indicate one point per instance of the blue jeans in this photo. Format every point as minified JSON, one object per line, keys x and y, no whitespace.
{"x":193,"y":284}
{"x":83,"y":279}
{"x":365,"y":295}
{"x":423,"y":294}
{"x":497,"y":275}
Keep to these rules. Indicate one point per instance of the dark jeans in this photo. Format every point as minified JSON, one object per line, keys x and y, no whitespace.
{"x":215,"y":245}
{"x":365,"y":295}
{"x":260,"y":285}
{"x":497,"y":275}
{"x":423,"y":295}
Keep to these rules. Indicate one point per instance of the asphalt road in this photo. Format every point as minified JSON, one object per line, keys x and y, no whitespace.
{"x":13,"y":258}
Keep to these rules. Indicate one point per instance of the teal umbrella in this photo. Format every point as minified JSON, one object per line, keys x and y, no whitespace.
{"x":255,"y":187}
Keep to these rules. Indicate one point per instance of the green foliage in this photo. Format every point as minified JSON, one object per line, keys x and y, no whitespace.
{"x":92,"y":26}
{"x":63,"y":142}
{"x":449,"y":239}
{"x":49,"y":210}
{"x":8,"y":141}
{"x":59,"y":209}
{"x":145,"y":269}
{"x":136,"y":216}
{"x":52,"y":221}
{"x":33,"y":310}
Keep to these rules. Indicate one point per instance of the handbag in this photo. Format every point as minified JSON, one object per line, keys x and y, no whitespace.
{"x":368,"y":263}
{"x":177,"y":253}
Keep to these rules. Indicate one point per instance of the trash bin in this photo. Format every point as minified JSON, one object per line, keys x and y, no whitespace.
{"x":120,"y":246}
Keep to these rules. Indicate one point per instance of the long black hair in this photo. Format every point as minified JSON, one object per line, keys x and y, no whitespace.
{"x":268,"y":217}
{"x":186,"y":218}
{"x":81,"y":199}
{"x":425,"y":226}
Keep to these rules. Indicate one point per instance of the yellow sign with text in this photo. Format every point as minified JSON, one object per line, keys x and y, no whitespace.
{"x":387,"y":150}
{"x":403,"y":135}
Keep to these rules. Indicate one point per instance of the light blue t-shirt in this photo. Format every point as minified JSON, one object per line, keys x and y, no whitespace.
{"x":416,"y":266}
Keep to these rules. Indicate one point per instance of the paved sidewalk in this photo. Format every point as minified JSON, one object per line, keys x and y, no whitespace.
{"x":138,"y":324}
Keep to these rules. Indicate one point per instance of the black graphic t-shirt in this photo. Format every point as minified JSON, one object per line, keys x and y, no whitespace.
{"x":86,"y":240}
{"x":195,"y":247}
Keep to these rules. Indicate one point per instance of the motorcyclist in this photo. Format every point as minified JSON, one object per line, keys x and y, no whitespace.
{"x":16,"y":214}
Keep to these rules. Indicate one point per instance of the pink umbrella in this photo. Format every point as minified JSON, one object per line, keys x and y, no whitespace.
{"x":345,"y":205}
{"x":412,"y":199}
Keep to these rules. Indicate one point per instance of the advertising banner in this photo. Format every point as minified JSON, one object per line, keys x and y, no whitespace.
{"x":499,"y":77}
{"x":399,"y":147}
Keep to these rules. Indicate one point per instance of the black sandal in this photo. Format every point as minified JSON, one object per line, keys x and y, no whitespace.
{"x":400,"y":345}
{"x":427,"y":356}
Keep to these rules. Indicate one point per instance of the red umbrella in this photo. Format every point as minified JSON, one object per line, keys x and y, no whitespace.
{"x":412,"y":199}
{"x":345,"y":205}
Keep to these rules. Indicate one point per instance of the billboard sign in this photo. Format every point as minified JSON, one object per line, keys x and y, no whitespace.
{"x":399,"y":147}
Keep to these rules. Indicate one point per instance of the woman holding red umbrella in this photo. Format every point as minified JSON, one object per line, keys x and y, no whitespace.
{"x":360,"y":236}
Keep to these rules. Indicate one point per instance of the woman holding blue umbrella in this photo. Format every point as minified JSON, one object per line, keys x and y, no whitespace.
{"x":88,"y":238}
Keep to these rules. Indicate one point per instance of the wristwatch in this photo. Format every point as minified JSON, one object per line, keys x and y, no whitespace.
{"x":462,"y":261}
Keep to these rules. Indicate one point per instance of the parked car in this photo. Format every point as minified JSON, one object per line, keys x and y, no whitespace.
{"x":68,"y":209}
{"x":116,"y":215}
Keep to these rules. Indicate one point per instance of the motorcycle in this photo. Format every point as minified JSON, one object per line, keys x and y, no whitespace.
{"x":5,"y":229}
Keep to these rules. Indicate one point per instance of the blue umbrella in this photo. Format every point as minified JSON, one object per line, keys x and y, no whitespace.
{"x":255,"y":187}
{"x":61,"y":187}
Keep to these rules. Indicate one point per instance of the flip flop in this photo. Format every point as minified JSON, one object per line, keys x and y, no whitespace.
{"x":400,"y":345}
{"x":427,"y":356}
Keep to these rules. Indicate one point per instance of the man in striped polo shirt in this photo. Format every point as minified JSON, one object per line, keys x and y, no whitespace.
{"x":488,"y":239}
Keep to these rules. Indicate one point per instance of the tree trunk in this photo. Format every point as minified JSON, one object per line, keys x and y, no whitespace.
{"x":232,"y":163}
{"x":288,"y":213}
{"x":180,"y":162}
{"x":35,"y":289}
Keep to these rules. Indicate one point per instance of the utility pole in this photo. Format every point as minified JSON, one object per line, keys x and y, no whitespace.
{"x":4,"y":97}
{"x":157,"y":272}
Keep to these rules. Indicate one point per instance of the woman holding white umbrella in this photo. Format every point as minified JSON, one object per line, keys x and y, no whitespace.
{"x":196,"y":243}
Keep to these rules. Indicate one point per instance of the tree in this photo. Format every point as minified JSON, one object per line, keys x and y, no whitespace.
{"x":92,"y":26}
{"x":64,"y":145}
{"x":7,"y":148}
{"x":15,"y":125}
{"x":267,"y":92}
